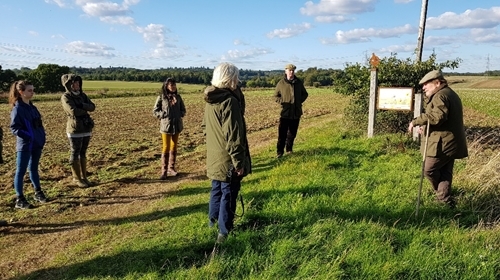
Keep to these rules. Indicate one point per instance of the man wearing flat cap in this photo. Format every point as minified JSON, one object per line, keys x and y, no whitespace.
{"x":446,"y":139}
{"x":290,"y":93}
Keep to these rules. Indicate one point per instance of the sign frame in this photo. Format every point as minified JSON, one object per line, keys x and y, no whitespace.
{"x":395,"y":98}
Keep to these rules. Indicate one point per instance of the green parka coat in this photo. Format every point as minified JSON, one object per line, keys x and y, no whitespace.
{"x":169,"y":109}
{"x":225,"y":131}
{"x":76,"y":107}
{"x":446,"y":131}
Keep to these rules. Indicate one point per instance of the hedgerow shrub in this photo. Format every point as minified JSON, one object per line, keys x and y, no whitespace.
{"x":354,"y":80}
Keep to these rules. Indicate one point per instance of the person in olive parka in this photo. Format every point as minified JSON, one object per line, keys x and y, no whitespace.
{"x":290,"y":93}
{"x":169,"y":109}
{"x":228,"y":156}
{"x":79,"y":125}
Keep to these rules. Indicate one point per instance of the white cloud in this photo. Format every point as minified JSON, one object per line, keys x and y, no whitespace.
{"x":164,"y":52}
{"x":293,"y":30}
{"x":403,"y":1}
{"x":58,"y":36}
{"x":478,"y":18}
{"x":239,"y":42}
{"x":245,"y":54}
{"x":89,"y":49}
{"x":441,"y":40}
{"x":19,"y":50}
{"x":328,"y":10}
{"x":33,"y":33}
{"x":485,"y":35}
{"x":123,"y":20}
{"x":397,"y":49}
{"x":329,"y":19}
{"x":155,"y":33}
{"x":118,"y":13}
{"x":59,"y":3}
{"x":104,"y":9}
{"x":364,"y":35}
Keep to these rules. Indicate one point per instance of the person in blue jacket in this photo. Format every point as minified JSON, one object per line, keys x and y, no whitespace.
{"x":26,"y":124}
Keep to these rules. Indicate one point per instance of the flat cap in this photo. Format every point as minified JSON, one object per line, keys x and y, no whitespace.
{"x":434,"y":74}
{"x":290,"y":66}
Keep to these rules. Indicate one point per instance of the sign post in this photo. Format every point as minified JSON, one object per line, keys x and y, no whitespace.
{"x":374,"y":62}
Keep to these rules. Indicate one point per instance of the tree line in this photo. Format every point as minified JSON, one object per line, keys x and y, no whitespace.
{"x":46,"y":77}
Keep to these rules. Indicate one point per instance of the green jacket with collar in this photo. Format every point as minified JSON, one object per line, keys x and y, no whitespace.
{"x":446,"y":131}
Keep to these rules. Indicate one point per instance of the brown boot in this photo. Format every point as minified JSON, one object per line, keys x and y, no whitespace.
{"x":171,"y":164}
{"x":76,"y":169}
{"x":164,"y":165}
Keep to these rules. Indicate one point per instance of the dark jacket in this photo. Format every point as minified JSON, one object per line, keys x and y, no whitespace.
{"x":226,"y":135}
{"x":290,"y":94}
{"x":169,"y":109}
{"x":446,"y":131}
{"x":26,"y":124}
{"x":76,"y":107}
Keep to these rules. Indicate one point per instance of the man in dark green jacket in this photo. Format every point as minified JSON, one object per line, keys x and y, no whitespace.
{"x":228,"y":156}
{"x":290,"y":93}
{"x":446,"y":140}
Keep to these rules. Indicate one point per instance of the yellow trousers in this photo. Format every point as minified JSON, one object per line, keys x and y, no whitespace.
{"x":169,"y":142}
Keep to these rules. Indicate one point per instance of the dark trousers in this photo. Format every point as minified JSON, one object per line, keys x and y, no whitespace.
{"x":222,"y":204}
{"x":78,"y":147}
{"x":439,"y":171}
{"x":287,"y":130}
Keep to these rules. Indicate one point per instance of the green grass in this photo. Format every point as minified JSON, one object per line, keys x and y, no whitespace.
{"x":338,"y":208}
{"x":341,"y":207}
{"x":482,"y":100}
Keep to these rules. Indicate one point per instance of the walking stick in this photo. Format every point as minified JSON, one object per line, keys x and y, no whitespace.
{"x":423,"y":167}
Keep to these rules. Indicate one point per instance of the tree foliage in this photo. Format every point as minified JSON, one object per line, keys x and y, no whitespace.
{"x":47,"y":77}
{"x":7,"y":77}
{"x":354,"y":80}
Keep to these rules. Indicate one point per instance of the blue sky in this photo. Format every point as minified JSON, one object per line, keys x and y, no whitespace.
{"x":257,"y":34}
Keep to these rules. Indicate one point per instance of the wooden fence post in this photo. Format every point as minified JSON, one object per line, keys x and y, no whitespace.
{"x":374,"y":62}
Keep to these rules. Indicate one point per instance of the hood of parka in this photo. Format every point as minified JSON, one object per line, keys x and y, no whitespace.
{"x":68,"y":79}
{"x":214,"y":95}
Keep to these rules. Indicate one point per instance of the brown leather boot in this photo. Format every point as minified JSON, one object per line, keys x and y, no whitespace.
{"x":171,"y":164}
{"x":164,"y":166}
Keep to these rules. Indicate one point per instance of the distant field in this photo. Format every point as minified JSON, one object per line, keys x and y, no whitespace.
{"x":475,"y":82}
{"x":114,"y":86}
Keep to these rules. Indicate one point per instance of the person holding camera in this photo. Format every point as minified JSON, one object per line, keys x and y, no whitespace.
{"x":79,"y":125}
{"x":26,"y":125}
{"x":228,"y":156}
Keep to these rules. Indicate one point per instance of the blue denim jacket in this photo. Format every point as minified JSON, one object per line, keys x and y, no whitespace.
{"x":26,"y":124}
